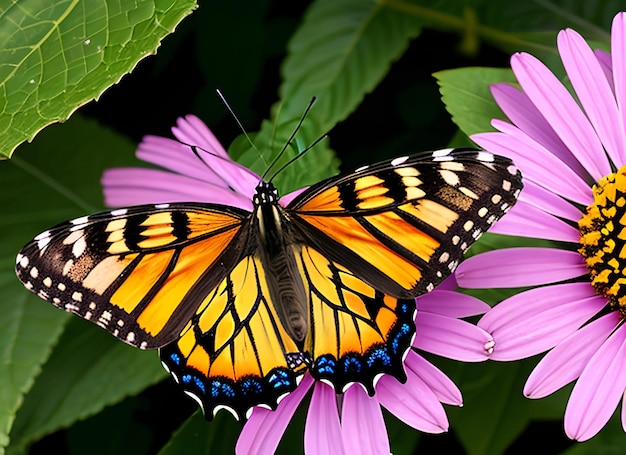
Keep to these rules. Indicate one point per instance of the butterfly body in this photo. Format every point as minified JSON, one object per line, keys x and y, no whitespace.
{"x":242,"y":303}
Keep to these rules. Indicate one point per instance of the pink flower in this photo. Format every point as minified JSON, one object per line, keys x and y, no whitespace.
{"x":562,"y":143}
{"x":352,"y":421}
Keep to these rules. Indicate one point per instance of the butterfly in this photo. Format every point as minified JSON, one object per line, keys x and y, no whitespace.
{"x":241,"y":304}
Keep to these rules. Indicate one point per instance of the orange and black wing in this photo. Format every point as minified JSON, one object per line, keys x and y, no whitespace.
{"x":403,"y":225}
{"x":140,"y":273}
{"x":234,"y":352}
{"x":356,"y":332}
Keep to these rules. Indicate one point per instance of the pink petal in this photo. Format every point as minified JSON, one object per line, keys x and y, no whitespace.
{"x":598,"y":390}
{"x":322,"y":432}
{"x":123,"y":187}
{"x":526,"y":220}
{"x":562,"y":112}
{"x":525,"y":115}
{"x":362,"y":424}
{"x":441,"y":385}
{"x":546,"y":201}
{"x":451,"y":304}
{"x":535,"y":161}
{"x":517,"y":267}
{"x":413,"y":403}
{"x":538,"y":319}
{"x":193,"y":131}
{"x":287,"y":198}
{"x":618,"y":51}
{"x":594,"y":92}
{"x":176,"y":157}
{"x":451,"y":338}
{"x":264,"y":429}
{"x":567,"y":360}
{"x":604,"y":59}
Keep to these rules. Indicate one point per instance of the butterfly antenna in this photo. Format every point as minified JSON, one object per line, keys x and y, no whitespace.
{"x":299,"y":155}
{"x":289,"y":141}
{"x":219,"y":93}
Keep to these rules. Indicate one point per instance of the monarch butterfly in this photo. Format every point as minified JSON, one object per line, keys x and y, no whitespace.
{"x":242,"y":303}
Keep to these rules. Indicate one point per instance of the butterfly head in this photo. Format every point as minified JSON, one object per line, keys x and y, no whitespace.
{"x":266,"y":193}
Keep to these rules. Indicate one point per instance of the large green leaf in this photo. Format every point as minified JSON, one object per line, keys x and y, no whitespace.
{"x":341,"y":51}
{"x":495,"y":412}
{"x":88,"y":370}
{"x":465,"y":92}
{"x":41,"y":189}
{"x":56,"y":56}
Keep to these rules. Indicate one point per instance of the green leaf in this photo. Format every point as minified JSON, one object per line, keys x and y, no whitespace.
{"x":196,"y":436}
{"x":42,"y":189}
{"x":338,"y":64}
{"x":465,"y":92}
{"x":495,"y":412}
{"x":57,"y":56}
{"x":609,"y":441}
{"x":88,"y":370}
{"x":27,"y":331}
{"x":343,"y":60}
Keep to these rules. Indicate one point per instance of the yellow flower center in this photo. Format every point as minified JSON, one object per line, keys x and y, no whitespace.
{"x":603,"y":239}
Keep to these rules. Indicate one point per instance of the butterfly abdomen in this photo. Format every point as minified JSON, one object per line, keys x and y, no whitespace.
{"x":277,"y":253}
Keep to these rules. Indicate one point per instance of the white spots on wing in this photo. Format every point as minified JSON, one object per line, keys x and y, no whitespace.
{"x":79,"y":247}
{"x":469,"y":193}
{"x":22,"y":261}
{"x":455,"y":166}
{"x":469,"y":224}
{"x":506,"y":185}
{"x":450,"y":177}
{"x":71,"y":307}
{"x":496,"y":198}
{"x":104,"y":319}
{"x":513,"y":170}
{"x":92,"y":306}
{"x":485,"y":157}
{"x":445,"y":257}
{"x":61,"y":287}
{"x":80,"y":221}
{"x":43,"y":294}
{"x":34,"y":273}
{"x":73,"y":237}
{"x":482,"y":212}
{"x":42,"y":243}
{"x":130,"y":337}
{"x":43,"y":235}
{"x":47,"y":281}
{"x":161,"y":206}
{"x":78,"y":296}
{"x":398,"y":161}
{"x":119,"y":212}
{"x":443,"y":155}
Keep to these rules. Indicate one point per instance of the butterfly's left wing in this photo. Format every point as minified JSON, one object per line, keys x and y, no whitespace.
{"x":403,"y":225}
{"x":141,"y":272}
